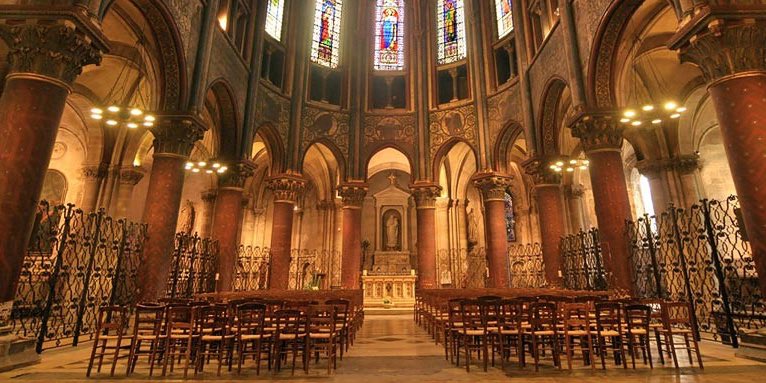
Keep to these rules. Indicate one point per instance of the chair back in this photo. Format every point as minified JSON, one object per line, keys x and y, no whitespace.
{"x":677,"y":315}
{"x":182,"y":320}
{"x":638,"y":317}
{"x":543,"y":316}
{"x":470,"y":314}
{"x":322,"y":319}
{"x":290,"y":322}
{"x":149,"y":318}
{"x":112,"y":320}
{"x":251,"y":318}
{"x":511,"y":314}
{"x":576,"y":317}
{"x":609,"y":316}
{"x":214,"y":320}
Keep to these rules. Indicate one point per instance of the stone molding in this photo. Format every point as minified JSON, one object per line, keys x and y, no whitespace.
{"x":352,"y":194}
{"x":175,"y":134}
{"x":236,"y":175}
{"x":493,"y":185}
{"x":598,"y":131}
{"x":425,"y":194}
{"x":95,"y":172}
{"x":684,"y":164}
{"x":131,"y":175}
{"x":538,"y":169}
{"x":287,"y":188}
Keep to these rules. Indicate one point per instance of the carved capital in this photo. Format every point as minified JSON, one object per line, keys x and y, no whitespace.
{"x":95,"y":172}
{"x":176,"y":134}
{"x":286,"y":187}
{"x":538,"y":168}
{"x":56,"y":50}
{"x":353,"y":194}
{"x":425,"y":194}
{"x":682,"y":164}
{"x":598,"y":131}
{"x":209,"y":196}
{"x":723,"y":39}
{"x":492,"y":185}
{"x":131,"y":175}
{"x":236,"y":175}
{"x":326,"y":205}
{"x":686,"y":164}
{"x":574,"y":191}
{"x":651,"y":168}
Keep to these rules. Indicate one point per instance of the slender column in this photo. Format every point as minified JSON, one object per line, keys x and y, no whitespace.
{"x":206,"y":214}
{"x":174,"y":137}
{"x":574,"y":194}
{"x":227,"y":217}
{"x":550,"y":207}
{"x":44,"y":60}
{"x":287,"y":189}
{"x":653,"y":170}
{"x":493,"y":187}
{"x":687,"y":170}
{"x":425,"y":194}
{"x":726,"y":41}
{"x":129,"y":177}
{"x":353,"y":198}
{"x":601,"y":138}
{"x":92,"y":177}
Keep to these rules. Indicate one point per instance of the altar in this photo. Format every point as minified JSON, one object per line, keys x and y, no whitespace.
{"x":389,"y":291}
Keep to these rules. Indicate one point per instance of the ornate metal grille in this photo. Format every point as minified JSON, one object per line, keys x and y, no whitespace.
{"x":698,"y":255}
{"x":252,"y":268}
{"x":583,"y":267}
{"x":309,"y":268}
{"x":76,"y":262}
{"x":526,"y":263}
{"x":194,"y":267}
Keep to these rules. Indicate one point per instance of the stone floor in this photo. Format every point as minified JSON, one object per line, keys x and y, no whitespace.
{"x":391,"y":348}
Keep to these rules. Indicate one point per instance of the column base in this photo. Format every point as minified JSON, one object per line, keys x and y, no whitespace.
{"x":16,"y":352}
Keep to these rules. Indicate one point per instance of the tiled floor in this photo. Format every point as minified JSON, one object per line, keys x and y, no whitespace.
{"x":392,"y":349}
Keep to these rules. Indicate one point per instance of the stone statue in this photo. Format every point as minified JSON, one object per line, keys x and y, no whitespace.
{"x":473,"y":228}
{"x":392,"y":232}
{"x":187,"y":217}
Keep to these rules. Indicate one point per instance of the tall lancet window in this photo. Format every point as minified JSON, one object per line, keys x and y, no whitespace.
{"x":450,"y":22}
{"x":326,"y":40}
{"x":504,"y":13}
{"x":274,"y":16}
{"x":389,"y":35}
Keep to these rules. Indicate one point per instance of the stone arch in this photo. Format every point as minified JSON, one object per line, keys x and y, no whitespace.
{"x":336,"y":154}
{"x":507,"y":138}
{"x":274,"y":145}
{"x":221,"y":105}
{"x":444,"y":150}
{"x":383,"y":148}
{"x":550,"y":118}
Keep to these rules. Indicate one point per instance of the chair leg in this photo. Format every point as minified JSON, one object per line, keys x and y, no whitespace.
{"x":92,"y":356}
{"x":116,"y":356}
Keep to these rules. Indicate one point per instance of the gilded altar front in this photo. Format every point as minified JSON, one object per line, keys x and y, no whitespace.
{"x":389,"y":290}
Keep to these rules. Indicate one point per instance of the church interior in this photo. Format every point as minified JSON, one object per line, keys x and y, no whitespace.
{"x":391,"y":190}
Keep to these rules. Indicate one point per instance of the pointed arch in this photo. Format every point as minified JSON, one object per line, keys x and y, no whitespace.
{"x":549,"y":117}
{"x":441,"y":154}
{"x":382,"y":149}
{"x":221,"y":104}
{"x":336,"y":153}
{"x":274,"y":145}
{"x":511,"y":133}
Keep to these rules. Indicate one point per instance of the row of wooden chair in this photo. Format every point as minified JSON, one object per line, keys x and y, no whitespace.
{"x":190,"y":334}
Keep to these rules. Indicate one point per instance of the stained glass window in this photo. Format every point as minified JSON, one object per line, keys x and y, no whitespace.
{"x":389,"y":35}
{"x":274,"y":16}
{"x":510,"y":219}
{"x":504,"y":13}
{"x":450,"y":20}
{"x":326,"y":40}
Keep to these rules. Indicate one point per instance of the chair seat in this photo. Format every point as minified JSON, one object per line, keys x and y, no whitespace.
{"x":474,"y":332}
{"x":509,"y":332}
{"x":676,"y":331}
{"x":543,"y":332}
{"x":291,"y":336}
{"x":254,"y":336}
{"x":576,"y":333}
{"x":637,"y":331}
{"x":320,"y":335}
{"x":216,"y":337}
{"x":609,"y":333}
{"x":182,"y":336}
{"x":149,"y":337}
{"x":109,"y":337}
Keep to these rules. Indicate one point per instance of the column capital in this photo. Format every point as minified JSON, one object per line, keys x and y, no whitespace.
{"x":652,"y":168}
{"x":286,"y":187}
{"x":492,"y":185}
{"x":425,"y":194}
{"x":95,"y":172}
{"x":54,"y":46}
{"x":723,"y":40}
{"x":538,"y":168}
{"x":598,"y":131}
{"x":352,"y":194}
{"x":209,"y":196}
{"x":131,"y":175}
{"x":236,"y":175}
{"x":686,"y":163}
{"x":574,"y":191}
{"x":175,"y":134}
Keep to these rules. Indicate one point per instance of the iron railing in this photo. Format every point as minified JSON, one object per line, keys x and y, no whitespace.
{"x":194,"y":267}
{"x":252,"y":268}
{"x":309,"y":269}
{"x":462,"y":268}
{"x":76,"y":262}
{"x":698,"y":255}
{"x":582,"y":261}
{"x":526,"y":263}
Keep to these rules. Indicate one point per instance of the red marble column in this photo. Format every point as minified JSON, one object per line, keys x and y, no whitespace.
{"x":351,"y":263}
{"x":493,"y":187}
{"x":550,"y":207}
{"x":425,"y":202}
{"x":286,"y":189}
{"x":227,"y":217}
{"x":601,"y":138}
{"x":174,"y":137}
{"x":31,"y":107}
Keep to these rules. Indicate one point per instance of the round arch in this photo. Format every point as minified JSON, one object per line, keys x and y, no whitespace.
{"x":387,"y":156}
{"x":442,"y":153}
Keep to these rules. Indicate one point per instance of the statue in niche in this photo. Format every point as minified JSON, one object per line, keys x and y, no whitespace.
{"x":473,"y":228}
{"x":187,"y":217}
{"x":392,"y":231}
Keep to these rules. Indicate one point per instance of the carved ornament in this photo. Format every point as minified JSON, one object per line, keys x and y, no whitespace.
{"x":492,"y":185}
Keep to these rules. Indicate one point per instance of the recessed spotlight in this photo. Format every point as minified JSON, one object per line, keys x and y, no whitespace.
{"x":113,"y":109}
{"x":671,"y":105}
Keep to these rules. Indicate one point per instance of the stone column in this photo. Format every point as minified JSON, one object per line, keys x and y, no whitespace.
{"x":653,"y":170}
{"x":425,"y":194}
{"x":287,"y":189}
{"x":493,"y":187}
{"x":92,"y":177}
{"x":129,"y":177}
{"x":206,"y":213}
{"x":574,"y":194}
{"x":351,"y":254}
{"x":726,"y":42}
{"x":227,"y":217}
{"x":550,"y":207}
{"x":687,"y":170}
{"x":44,"y":60}
{"x":174,"y":138}
{"x":601,"y":139}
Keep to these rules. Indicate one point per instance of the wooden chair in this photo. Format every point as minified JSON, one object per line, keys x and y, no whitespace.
{"x":453,"y":331}
{"x":251,"y":336}
{"x":509,"y":328}
{"x":343,"y":324}
{"x":181,"y":336}
{"x":543,"y":331}
{"x":677,"y":320}
{"x":216,"y":338}
{"x":609,"y":332}
{"x":577,"y":332}
{"x":148,"y":335}
{"x":291,"y":336}
{"x":111,"y":328}
{"x":322,"y":335}
{"x":474,"y":332}
{"x":637,"y":329}
{"x":655,"y":305}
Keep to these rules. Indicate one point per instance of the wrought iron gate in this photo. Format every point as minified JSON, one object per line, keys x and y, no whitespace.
{"x":194,"y":267}
{"x":252,"y":268}
{"x":583,"y":266}
{"x":76,"y":262}
{"x":698,"y":255}
{"x":526,"y":263}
